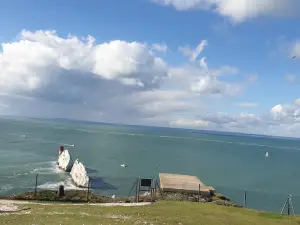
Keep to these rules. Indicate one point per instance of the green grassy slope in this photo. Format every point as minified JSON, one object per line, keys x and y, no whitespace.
{"x":159,"y":213}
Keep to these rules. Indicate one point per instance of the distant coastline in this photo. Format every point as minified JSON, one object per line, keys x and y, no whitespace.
{"x":95,"y":123}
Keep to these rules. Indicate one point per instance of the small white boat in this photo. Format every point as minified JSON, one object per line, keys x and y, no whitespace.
{"x":123,"y":165}
{"x":267,"y":154}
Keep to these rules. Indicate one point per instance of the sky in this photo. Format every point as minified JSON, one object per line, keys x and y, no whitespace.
{"x":227,"y":65}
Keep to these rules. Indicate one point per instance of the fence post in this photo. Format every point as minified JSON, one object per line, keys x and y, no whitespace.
{"x":154,"y":189}
{"x":36,"y":181}
{"x":288,"y":208}
{"x":88,"y":191}
{"x":138,"y":190}
{"x":199,"y":194}
{"x":245,"y":199}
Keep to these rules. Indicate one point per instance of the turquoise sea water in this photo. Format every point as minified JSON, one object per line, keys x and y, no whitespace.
{"x":230,"y":163}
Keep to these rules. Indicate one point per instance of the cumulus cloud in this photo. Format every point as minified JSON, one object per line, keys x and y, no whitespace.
{"x":203,"y":63}
{"x":42,"y":67}
{"x":45,"y":75}
{"x":238,"y":10}
{"x":200,"y":78}
{"x":41,"y":59}
{"x":208,"y":84}
{"x":222,"y":122}
{"x":286,"y":114}
{"x":281,"y":120}
{"x":297,"y":102}
{"x":205,"y":81}
{"x":160,"y":47}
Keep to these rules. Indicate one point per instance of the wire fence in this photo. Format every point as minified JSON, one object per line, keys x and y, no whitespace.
{"x":260,"y":199}
{"x":125,"y":187}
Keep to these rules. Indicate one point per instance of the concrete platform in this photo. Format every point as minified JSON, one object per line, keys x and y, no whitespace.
{"x":183,"y":184}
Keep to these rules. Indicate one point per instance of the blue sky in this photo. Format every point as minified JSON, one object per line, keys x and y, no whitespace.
{"x":255,"y":42}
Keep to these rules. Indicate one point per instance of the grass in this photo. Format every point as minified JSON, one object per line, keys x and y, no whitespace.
{"x":74,"y":196}
{"x":163,"y":212}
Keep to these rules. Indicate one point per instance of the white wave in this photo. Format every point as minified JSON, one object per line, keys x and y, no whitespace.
{"x":51,"y":169}
{"x":85,"y":130}
{"x":18,"y":135}
{"x":130,"y":134}
{"x":34,"y":164}
{"x":70,"y":145}
{"x":68,"y":185}
{"x":6,"y":187}
{"x":210,"y":140}
{"x":18,"y":174}
{"x":250,"y":144}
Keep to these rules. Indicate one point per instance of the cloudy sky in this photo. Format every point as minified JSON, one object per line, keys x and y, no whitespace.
{"x":224,"y":65}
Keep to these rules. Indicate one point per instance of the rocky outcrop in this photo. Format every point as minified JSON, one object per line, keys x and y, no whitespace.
{"x":79,"y":174}
{"x":65,"y":161}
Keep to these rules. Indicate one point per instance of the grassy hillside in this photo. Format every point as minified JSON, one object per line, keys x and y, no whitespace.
{"x":160,"y":213}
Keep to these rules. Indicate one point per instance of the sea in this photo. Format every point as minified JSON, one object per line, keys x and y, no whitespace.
{"x":234,"y":164}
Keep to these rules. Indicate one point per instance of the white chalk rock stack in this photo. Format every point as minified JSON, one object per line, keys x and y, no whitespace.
{"x":79,"y":174}
{"x":65,"y":161}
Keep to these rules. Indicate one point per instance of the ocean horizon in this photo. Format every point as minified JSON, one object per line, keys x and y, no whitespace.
{"x":90,"y":122}
{"x":230,"y":162}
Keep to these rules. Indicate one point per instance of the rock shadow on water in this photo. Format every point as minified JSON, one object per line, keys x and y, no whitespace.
{"x":91,"y":171}
{"x":100,"y":184}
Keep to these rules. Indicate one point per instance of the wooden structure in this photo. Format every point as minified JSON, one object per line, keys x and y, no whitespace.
{"x":183,"y":183}
{"x":144,"y":185}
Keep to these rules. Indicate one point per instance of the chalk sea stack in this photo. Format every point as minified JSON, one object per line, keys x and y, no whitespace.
{"x":64,"y":161}
{"x":79,"y":174}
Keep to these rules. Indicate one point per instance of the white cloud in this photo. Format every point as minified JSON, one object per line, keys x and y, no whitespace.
{"x":295,"y":50}
{"x":222,"y":122}
{"x":238,"y":10}
{"x":44,"y":75}
{"x":208,"y":84}
{"x":247,"y":104}
{"x":193,"y":53}
{"x":161,"y":102}
{"x":189,"y":123}
{"x":278,"y":111}
{"x":281,"y":120}
{"x":286,"y":114}
{"x":297,"y":102}
{"x":206,"y":81}
{"x":160,"y":47}
{"x":109,"y":81}
{"x":203,"y":63}
{"x":40,"y":58}
{"x":41,"y":69}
